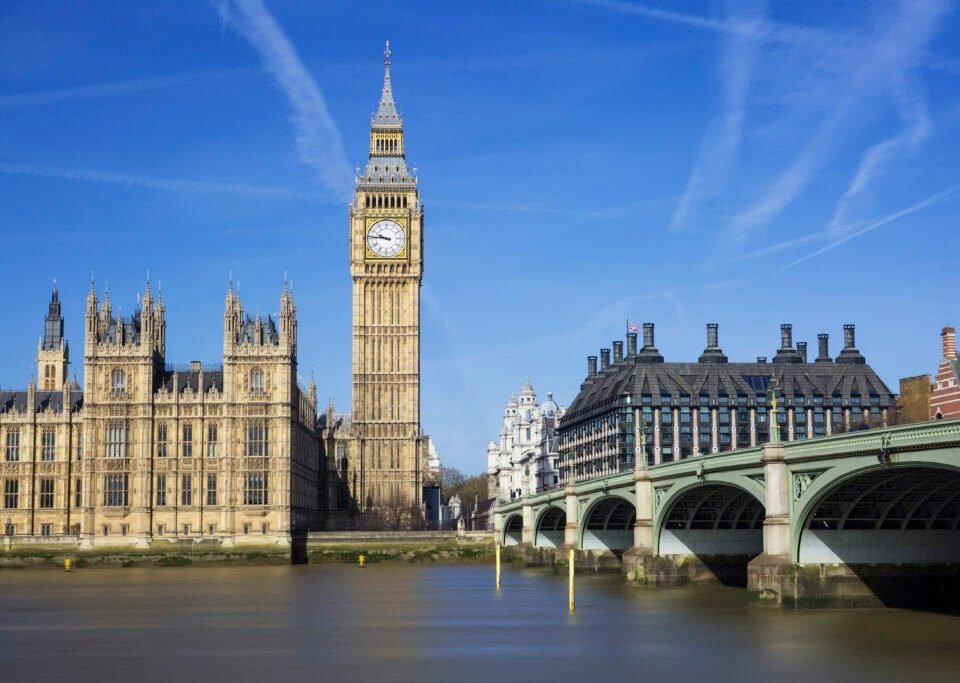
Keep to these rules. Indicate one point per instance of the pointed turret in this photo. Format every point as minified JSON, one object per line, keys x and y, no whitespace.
{"x":387,"y":115}
{"x":288,"y":315}
{"x":53,"y":354}
{"x":387,"y":164}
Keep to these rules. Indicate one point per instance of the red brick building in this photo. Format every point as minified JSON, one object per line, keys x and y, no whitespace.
{"x":945,"y":393}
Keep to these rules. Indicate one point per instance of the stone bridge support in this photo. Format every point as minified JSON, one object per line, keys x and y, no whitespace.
{"x":527,"y":532}
{"x":768,"y":570}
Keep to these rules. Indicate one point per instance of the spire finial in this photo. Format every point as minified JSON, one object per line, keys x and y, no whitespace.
{"x":386,"y":54}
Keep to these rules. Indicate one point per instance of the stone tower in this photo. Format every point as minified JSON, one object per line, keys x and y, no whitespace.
{"x":123,"y":358}
{"x":53,"y":353}
{"x":386,"y":263}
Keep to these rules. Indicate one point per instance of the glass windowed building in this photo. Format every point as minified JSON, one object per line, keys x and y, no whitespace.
{"x":685,"y":410}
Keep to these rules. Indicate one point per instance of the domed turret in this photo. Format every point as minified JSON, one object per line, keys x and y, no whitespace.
{"x":527,"y":395}
{"x":550,"y":407}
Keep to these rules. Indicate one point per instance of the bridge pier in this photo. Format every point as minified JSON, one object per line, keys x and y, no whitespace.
{"x":526,"y":534}
{"x":768,"y":574}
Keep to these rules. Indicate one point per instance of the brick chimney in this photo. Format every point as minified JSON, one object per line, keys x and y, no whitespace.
{"x":949,"y":338}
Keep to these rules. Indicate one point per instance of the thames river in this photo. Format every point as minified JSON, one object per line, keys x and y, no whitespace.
{"x":393,"y":622}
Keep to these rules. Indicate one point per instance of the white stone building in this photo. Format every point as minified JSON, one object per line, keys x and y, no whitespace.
{"x":524,"y":460}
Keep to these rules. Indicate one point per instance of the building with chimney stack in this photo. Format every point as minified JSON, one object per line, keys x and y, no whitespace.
{"x":689,"y":409}
{"x":945,"y":390}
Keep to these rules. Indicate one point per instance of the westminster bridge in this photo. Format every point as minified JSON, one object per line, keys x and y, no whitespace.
{"x":863,"y":518}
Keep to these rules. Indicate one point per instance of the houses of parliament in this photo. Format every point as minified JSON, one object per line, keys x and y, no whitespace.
{"x":237,"y":451}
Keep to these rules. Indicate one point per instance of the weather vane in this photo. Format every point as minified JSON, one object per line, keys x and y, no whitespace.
{"x":387,"y":53}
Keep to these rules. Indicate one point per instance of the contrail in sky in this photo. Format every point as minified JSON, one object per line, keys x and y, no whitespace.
{"x":154,"y":183}
{"x":889,"y":218}
{"x":318,"y":140}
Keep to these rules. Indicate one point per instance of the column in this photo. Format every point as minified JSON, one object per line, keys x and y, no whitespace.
{"x":643,"y":528}
{"x":776,"y":524}
{"x":753,"y":427}
{"x":677,"y":448}
{"x":526,"y":532}
{"x":789,"y":424}
{"x":828,"y":416}
{"x":695,"y":416}
{"x":657,"y":455}
{"x":809,"y":423}
{"x":571,"y":530}
{"x":714,"y":433}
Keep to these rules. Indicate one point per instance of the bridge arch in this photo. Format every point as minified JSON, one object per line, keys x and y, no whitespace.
{"x":711,"y":518}
{"x":549,"y":527}
{"x":608,"y":524}
{"x":882,"y":514}
{"x":513,"y":530}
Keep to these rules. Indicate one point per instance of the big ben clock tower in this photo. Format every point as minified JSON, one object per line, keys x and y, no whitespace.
{"x":386,"y":263}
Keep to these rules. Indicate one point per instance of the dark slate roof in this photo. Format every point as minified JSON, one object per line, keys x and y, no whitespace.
{"x":341,"y":422}
{"x":640,"y":375}
{"x":268,"y":331}
{"x":191,"y":379}
{"x":16,"y":400}
{"x":126,"y":330}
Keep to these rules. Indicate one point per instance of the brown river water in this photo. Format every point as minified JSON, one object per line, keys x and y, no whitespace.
{"x":394,"y":622}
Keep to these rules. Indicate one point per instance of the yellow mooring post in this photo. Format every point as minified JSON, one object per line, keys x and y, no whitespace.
{"x":66,"y":565}
{"x":498,"y":565}
{"x":570,"y":562}
{"x":361,"y":559}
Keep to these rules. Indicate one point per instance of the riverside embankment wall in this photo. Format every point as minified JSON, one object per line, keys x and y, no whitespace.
{"x":324,"y":547}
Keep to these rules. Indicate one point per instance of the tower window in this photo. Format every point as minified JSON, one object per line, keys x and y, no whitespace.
{"x":256,"y":445}
{"x":48,"y":445}
{"x":162,"y":440}
{"x":116,"y":441}
{"x":187,"y":441}
{"x":13,"y":445}
{"x":256,"y":381}
{"x":118,"y":380}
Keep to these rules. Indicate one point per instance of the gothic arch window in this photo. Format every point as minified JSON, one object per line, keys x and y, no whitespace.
{"x":256,"y":381}
{"x":404,"y":202}
{"x":368,"y":202}
{"x":118,"y":379}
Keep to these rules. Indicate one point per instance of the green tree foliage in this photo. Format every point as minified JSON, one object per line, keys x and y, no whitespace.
{"x":470,"y":489}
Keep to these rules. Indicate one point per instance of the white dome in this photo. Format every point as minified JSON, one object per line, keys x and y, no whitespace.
{"x":550,"y":407}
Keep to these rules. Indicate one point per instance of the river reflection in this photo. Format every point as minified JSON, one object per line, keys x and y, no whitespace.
{"x":437,"y":623}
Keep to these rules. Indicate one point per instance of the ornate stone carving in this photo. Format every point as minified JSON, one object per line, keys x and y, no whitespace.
{"x":658,"y":495}
{"x":802,"y":480}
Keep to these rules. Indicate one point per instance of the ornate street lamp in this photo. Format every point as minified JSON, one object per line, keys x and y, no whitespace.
{"x":774,"y":421}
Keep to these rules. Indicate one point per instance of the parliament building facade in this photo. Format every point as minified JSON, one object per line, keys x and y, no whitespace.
{"x":233,"y":452}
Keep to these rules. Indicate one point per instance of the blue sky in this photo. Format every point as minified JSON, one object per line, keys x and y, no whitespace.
{"x":581,"y":162}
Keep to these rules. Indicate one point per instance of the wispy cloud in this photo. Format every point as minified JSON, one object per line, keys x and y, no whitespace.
{"x":167,"y":184}
{"x":880,"y":222}
{"x":779,"y":247}
{"x":862,"y":75}
{"x":913,"y":114}
{"x":83,"y":92}
{"x":318,"y":140}
{"x":719,"y":149}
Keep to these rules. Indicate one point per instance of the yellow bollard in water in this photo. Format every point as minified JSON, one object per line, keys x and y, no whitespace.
{"x":570,"y":556}
{"x":66,"y":565}
{"x":361,"y":559}
{"x":498,"y":566}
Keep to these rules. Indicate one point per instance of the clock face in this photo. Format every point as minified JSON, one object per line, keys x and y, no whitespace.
{"x":386,"y":238}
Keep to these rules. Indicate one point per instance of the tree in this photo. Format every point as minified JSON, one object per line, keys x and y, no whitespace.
{"x":469,"y":489}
